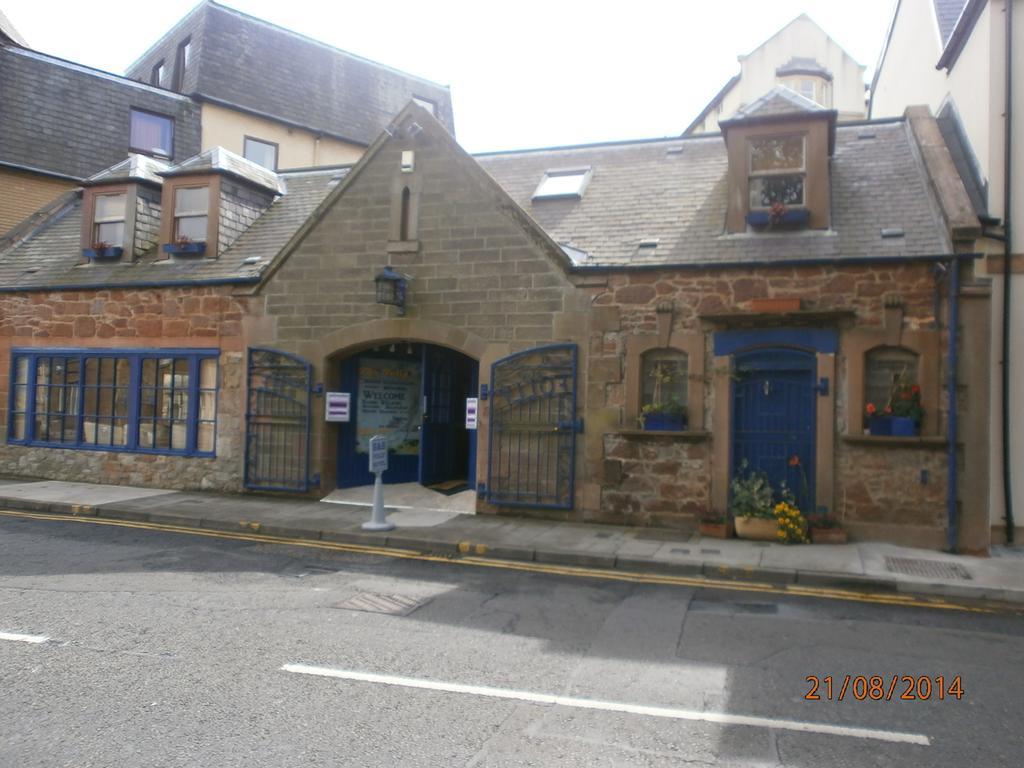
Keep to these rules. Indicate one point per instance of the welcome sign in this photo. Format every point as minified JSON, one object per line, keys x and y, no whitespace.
{"x":389,"y":405}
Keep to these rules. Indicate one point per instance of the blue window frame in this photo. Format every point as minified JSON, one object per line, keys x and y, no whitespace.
{"x":147,"y":401}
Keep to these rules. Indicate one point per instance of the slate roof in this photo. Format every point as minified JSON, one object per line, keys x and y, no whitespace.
{"x":242,"y":61}
{"x":225,"y":161}
{"x":51,"y":257}
{"x":39,"y":92}
{"x":133,"y":168}
{"x":674,"y":190}
{"x":947,"y":12}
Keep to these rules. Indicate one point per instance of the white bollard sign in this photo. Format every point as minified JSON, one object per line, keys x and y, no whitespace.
{"x":378,"y":464}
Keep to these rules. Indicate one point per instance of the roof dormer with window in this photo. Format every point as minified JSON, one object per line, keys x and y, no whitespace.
{"x":779,"y":149}
{"x":210,"y":200}
{"x":121,"y":210}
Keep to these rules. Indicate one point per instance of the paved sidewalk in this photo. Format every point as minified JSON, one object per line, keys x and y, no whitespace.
{"x":864,"y":565}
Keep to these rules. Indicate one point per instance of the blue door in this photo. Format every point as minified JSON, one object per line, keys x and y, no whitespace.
{"x":774,"y":418}
{"x":413,"y":394}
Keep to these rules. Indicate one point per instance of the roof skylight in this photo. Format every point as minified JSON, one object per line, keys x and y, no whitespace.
{"x":566,"y":183}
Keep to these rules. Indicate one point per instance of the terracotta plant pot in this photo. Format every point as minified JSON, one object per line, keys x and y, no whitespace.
{"x":716,"y":530}
{"x":828,"y":536}
{"x":757,"y":528}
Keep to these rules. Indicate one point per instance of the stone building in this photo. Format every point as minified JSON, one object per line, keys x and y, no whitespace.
{"x":767,"y":282}
{"x":219,"y":77}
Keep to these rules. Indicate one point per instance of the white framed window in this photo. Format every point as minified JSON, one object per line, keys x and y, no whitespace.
{"x":191,"y":213}
{"x":151,"y":133}
{"x":261,"y":152}
{"x":566,"y":183}
{"x":777,"y":171}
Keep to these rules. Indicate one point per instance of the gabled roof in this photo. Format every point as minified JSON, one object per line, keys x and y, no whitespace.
{"x":780,"y":100}
{"x":675,"y":191}
{"x":220,"y":160}
{"x":246,"y":63}
{"x":134,"y":168}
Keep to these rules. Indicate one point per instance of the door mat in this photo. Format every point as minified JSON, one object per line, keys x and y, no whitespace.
{"x":450,"y":487}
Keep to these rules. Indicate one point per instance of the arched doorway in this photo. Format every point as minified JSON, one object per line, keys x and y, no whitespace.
{"x":774,"y":418}
{"x":414,"y":394}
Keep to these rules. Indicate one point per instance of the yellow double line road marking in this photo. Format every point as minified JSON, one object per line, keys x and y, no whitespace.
{"x":880,"y":598}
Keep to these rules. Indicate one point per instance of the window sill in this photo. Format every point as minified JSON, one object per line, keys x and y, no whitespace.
{"x":690,"y":435}
{"x":888,"y":441}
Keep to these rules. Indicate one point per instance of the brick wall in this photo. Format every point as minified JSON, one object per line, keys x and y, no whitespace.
{"x":132,"y":319}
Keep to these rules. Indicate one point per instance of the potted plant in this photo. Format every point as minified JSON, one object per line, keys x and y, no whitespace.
{"x":901,"y":416}
{"x":663,"y":413}
{"x":826,"y":529}
{"x":716,"y":525}
{"x":779,"y":216}
{"x":185,"y":245}
{"x":791,"y":525}
{"x":750,"y":504}
{"x":102,"y":250}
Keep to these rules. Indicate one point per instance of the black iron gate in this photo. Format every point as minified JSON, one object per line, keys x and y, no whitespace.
{"x":277,"y":422}
{"x":533,"y":426}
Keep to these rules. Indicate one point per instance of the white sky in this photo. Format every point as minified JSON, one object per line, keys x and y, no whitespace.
{"x":523,"y":74}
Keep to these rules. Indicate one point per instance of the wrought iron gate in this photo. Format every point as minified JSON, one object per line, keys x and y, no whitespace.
{"x":533,"y":426}
{"x":277,"y":422}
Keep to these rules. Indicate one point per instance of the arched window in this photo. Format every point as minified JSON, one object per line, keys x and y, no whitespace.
{"x":664,"y":375}
{"x":886,"y":370}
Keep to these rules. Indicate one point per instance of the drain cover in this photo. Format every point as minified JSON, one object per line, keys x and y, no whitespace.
{"x":394,"y":605}
{"x":927,"y":569}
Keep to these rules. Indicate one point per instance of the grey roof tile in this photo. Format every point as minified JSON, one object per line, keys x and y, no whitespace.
{"x":947,"y":13}
{"x":133,"y":168}
{"x":639,"y":190}
{"x":51,"y":257}
{"x":250,"y":63}
{"x":64,"y":118}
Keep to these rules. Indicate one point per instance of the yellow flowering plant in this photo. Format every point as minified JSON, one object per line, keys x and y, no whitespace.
{"x":792,"y":526}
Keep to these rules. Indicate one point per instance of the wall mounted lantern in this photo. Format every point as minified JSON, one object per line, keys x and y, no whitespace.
{"x":391,"y":288}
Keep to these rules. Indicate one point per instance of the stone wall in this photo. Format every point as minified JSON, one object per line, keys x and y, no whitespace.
{"x":147,"y":220}
{"x":655,"y":480}
{"x":875,"y":483}
{"x":132,"y":319}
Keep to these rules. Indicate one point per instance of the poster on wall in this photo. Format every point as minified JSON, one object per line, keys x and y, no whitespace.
{"x":389,"y":405}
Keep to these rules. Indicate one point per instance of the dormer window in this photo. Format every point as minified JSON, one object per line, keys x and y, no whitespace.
{"x":563,"y":184}
{"x":191,"y":214}
{"x":777,"y":172}
{"x":108,"y":219}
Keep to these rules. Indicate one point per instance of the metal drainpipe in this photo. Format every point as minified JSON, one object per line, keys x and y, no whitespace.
{"x":954,"y":320}
{"x":1007,"y":252}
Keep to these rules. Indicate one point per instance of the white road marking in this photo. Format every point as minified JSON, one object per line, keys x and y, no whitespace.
{"x":724,"y":718}
{"x":23,"y":638}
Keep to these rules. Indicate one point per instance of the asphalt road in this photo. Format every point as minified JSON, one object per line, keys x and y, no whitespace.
{"x":171,"y":650}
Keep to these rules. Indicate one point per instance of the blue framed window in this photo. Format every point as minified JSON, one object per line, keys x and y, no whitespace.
{"x":149,"y":401}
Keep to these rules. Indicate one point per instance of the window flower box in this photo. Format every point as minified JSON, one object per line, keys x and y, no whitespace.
{"x":791,"y":218}
{"x":182,"y":249}
{"x":665,"y":422}
{"x":893,"y":426}
{"x":99,"y":254}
